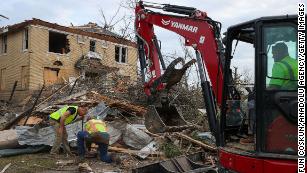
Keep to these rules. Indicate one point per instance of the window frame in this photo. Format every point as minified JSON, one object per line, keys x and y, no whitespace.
{"x":90,"y":48}
{"x":121,"y":47}
{"x":284,"y":24}
{"x":25,"y":39}
{"x":66,"y":49}
{"x":4,"y":44}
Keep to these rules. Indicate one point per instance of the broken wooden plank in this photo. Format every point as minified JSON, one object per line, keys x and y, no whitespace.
{"x":5,"y":168}
{"x":27,"y":113}
{"x":208,"y":147}
{"x":13,"y":91}
{"x":31,"y":121}
{"x":41,"y":106}
{"x":14,"y":121}
{"x":151,"y":134}
{"x":72,"y":88}
{"x":79,"y":94}
{"x":34,"y":104}
{"x":77,"y":102}
{"x":134,"y":152}
{"x":51,"y":95}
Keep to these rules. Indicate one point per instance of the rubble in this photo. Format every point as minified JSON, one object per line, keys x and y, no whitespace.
{"x":120,"y":104}
{"x":136,"y":138}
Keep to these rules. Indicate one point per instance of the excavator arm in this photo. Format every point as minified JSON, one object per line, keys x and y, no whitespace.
{"x":198,"y":30}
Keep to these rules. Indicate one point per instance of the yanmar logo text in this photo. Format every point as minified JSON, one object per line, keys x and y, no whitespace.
{"x":182,"y":26}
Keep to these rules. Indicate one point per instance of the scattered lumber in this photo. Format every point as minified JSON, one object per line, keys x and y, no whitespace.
{"x":5,"y":168}
{"x":121,"y":104}
{"x":134,"y":152}
{"x":79,"y":94}
{"x":208,"y":147}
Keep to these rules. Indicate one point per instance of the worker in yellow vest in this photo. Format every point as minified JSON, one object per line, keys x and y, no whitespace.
{"x":59,"y":120}
{"x":95,"y":132}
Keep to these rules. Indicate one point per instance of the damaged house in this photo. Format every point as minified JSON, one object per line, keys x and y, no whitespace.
{"x":36,"y":52}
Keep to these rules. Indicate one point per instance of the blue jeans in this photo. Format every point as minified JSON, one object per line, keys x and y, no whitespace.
{"x":84,"y":136}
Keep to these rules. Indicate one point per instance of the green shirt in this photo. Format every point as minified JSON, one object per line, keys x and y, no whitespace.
{"x":284,"y":74}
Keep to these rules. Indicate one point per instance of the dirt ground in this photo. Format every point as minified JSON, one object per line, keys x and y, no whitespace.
{"x":46,"y":163}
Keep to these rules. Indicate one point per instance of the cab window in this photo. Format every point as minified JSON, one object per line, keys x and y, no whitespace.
{"x":281,"y":47}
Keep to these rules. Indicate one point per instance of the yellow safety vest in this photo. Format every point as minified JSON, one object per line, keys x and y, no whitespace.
{"x":93,"y":126}
{"x":58,"y":114}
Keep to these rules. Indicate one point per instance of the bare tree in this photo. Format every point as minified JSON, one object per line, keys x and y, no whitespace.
{"x":122,"y":24}
{"x":2,"y":16}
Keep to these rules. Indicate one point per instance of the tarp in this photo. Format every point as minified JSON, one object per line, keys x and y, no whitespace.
{"x":18,"y":151}
{"x":45,"y":136}
{"x":135,"y":138}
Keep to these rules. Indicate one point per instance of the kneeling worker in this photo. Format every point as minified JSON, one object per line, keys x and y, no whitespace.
{"x":59,"y":120}
{"x":95,"y":132}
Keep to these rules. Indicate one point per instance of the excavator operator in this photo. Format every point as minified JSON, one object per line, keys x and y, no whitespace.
{"x":284,"y":71}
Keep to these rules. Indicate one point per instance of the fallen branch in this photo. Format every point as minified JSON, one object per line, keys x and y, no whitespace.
{"x":208,"y":147}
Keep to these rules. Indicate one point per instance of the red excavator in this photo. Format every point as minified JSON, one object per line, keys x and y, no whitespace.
{"x":275,"y":108}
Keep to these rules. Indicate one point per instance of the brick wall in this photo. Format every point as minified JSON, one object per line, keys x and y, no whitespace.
{"x":38,"y":58}
{"x":11,"y":63}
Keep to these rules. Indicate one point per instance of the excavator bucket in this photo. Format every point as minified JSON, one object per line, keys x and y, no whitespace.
{"x":165,"y":119}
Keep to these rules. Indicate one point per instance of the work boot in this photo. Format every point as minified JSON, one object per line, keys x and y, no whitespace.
{"x":103,"y":153}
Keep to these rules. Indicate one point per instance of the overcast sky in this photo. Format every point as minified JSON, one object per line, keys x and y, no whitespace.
{"x":80,"y":12}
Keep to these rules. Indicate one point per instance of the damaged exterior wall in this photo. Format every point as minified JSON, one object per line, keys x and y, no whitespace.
{"x":38,"y":62}
{"x":11,"y":66}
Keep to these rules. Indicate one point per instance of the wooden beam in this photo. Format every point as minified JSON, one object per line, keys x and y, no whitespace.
{"x":135,"y":152}
{"x":208,"y":147}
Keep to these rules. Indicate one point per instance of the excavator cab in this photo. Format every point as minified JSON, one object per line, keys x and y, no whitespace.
{"x":274,"y":98}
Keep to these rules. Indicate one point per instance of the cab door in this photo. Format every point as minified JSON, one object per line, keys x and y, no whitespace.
{"x":276,"y":87}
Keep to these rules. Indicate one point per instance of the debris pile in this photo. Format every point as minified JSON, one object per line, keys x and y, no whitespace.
{"x":122,"y":106}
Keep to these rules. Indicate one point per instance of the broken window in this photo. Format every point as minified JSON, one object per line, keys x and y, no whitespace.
{"x":24,"y":77}
{"x":58,"y":43}
{"x":92,"y":45}
{"x":4,"y":43}
{"x":25,"y":40}
{"x":2,"y":79}
{"x":121,"y":54}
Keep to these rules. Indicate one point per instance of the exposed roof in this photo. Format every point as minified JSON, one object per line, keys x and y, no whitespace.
{"x":94,"y":27}
{"x":106,"y":35}
{"x":92,"y":65}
